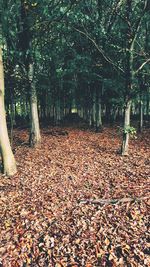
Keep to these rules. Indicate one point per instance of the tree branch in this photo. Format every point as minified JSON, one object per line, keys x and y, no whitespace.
{"x":100,"y":50}
{"x":138,"y":24}
{"x":141,"y":67}
{"x":112,"y":201}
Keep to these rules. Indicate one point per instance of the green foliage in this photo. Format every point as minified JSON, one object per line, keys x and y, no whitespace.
{"x":130,"y":130}
{"x":74,"y":46}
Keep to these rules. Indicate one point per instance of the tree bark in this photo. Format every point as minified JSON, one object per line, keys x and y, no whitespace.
{"x":12,"y":117}
{"x":129,"y":80}
{"x":35,"y":136}
{"x":98,"y":110}
{"x":148,"y":103}
{"x":93,"y":111}
{"x":8,"y":160}
{"x":126,"y":134}
{"x":141,"y":115}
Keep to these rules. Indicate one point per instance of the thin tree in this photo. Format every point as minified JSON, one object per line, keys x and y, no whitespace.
{"x":25,"y":40}
{"x":130,"y":73}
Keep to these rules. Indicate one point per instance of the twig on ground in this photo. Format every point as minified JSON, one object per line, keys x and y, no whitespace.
{"x":112,"y":201}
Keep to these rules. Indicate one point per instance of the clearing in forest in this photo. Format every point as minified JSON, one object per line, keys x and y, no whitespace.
{"x":47,"y":214}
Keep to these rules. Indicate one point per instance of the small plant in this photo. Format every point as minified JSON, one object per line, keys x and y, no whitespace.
{"x":128,"y":129}
{"x":131,"y":130}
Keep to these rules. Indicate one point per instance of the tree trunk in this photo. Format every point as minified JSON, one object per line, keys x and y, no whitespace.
{"x":131,"y":40}
{"x":35,"y":136}
{"x":129,"y":81}
{"x":141,"y":115}
{"x":92,"y":114}
{"x":108,"y":113}
{"x":126,"y":134}
{"x":58,"y":112}
{"x":147,"y":103}
{"x":8,"y":160}
{"x":98,"y":109}
{"x":94,"y":109}
{"x":12,"y":117}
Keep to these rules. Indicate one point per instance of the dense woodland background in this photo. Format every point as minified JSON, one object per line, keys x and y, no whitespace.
{"x":74,"y":97}
{"x":87,"y":57}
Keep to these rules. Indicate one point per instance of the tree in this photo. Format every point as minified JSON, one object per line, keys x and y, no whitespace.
{"x":8,"y":160}
{"x":25,"y":45}
{"x":131,"y":36}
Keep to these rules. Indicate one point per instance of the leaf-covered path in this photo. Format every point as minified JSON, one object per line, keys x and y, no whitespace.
{"x":45,"y":223}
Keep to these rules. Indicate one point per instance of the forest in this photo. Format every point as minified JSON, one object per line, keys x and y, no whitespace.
{"x":74,"y":133}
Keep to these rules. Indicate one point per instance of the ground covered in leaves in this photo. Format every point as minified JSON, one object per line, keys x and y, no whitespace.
{"x":47,"y":217}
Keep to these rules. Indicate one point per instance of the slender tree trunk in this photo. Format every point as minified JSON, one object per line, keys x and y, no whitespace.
{"x":147,"y":103}
{"x":142,"y":83}
{"x":92,"y":117}
{"x":35,"y":136}
{"x":129,"y":80}
{"x":94,"y":109}
{"x":12,"y":122}
{"x":141,"y":115}
{"x":12,"y":117}
{"x":8,"y":160}
{"x":98,"y":109}
{"x":108,"y":113}
{"x":58,"y":112}
{"x":114,"y":114}
{"x":126,"y":134}
{"x":131,"y":40}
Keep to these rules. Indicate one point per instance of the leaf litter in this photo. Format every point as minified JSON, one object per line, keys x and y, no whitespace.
{"x":47,"y":216}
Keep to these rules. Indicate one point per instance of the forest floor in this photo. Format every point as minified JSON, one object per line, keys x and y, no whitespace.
{"x":58,"y":210}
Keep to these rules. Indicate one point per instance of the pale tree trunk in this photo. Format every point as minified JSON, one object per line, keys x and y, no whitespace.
{"x":98,"y":109}
{"x":142,"y":83}
{"x":147,"y":103}
{"x":35,"y":136}
{"x":8,"y":160}
{"x":58,"y":112}
{"x":126,"y":134}
{"x":129,"y":81}
{"x":131,"y":41}
{"x":90,"y":116}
